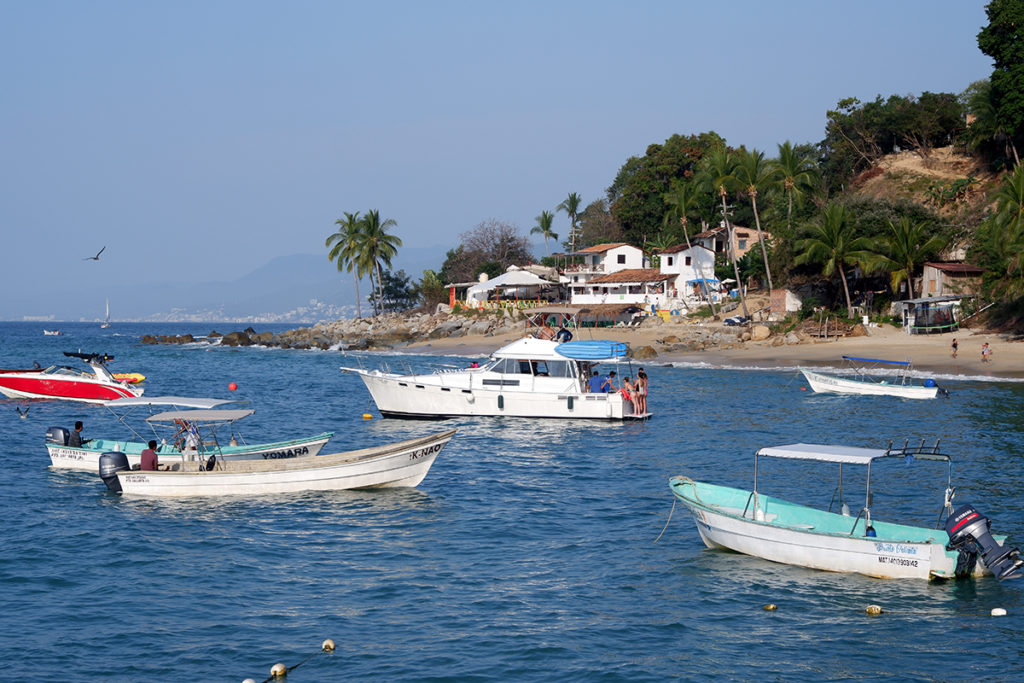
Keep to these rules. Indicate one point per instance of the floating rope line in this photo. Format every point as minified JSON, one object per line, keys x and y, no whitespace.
{"x":279,"y":671}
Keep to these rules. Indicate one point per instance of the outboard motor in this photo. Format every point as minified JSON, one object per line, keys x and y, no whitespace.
{"x":969,"y":534}
{"x":111,"y":463}
{"x":57,"y":436}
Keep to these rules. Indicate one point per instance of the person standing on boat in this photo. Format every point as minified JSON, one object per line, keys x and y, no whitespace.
{"x":149,"y":460}
{"x":75,"y":440}
{"x":954,"y":346}
{"x":563,"y":335}
{"x":608,"y":387}
{"x":595,"y":383}
{"x":641,"y":390}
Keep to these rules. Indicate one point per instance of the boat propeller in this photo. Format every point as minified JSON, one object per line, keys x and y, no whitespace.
{"x":969,"y":534}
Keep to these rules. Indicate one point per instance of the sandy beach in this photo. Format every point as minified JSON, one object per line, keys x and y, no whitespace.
{"x":929,"y":353}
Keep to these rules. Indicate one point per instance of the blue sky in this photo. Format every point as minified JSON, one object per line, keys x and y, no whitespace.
{"x":202,"y":139}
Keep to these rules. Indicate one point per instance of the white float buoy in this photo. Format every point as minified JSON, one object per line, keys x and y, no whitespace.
{"x":249,"y":680}
{"x":873,"y":609}
{"x":328,"y":645}
{"x":279,"y":670}
{"x":998,"y":612}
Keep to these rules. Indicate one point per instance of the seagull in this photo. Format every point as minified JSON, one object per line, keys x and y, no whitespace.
{"x":22,"y":414}
{"x":96,"y":257}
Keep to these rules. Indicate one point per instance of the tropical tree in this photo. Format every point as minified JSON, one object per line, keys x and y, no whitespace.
{"x":1003,"y":41}
{"x":754,"y":173}
{"x":571,"y":206}
{"x":797,"y":176}
{"x":682,"y":200}
{"x":907,"y":246}
{"x":543,"y":227}
{"x":377,"y":247}
{"x":832,"y":242}
{"x":1002,"y":239}
{"x":344,"y":249}
{"x":717,"y":176}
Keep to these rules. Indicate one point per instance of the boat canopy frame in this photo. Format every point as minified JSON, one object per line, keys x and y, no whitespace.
{"x":853,"y":455}
{"x":860,"y":366}
{"x":123,"y":408}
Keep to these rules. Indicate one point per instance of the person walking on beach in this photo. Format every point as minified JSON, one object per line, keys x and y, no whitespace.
{"x":954,"y":346}
{"x":986,"y":353}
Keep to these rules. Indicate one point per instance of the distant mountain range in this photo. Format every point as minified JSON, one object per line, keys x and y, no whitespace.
{"x":301,"y":288}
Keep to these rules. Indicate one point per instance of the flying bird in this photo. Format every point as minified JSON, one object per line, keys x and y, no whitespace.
{"x":22,"y":414}
{"x":96,"y":257}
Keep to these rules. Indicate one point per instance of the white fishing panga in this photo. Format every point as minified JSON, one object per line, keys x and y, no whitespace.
{"x":859,"y":381}
{"x":197,"y":428}
{"x":528,"y":378}
{"x":405,"y":463}
{"x":781,"y":531}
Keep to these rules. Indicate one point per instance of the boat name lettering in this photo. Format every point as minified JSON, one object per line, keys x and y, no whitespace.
{"x":897,"y":548}
{"x":135,"y":478}
{"x":901,"y":561}
{"x":424,"y":452}
{"x":290,"y":453}
{"x":67,"y":454}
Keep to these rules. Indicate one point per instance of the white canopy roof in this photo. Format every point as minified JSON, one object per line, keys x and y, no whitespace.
{"x":513,"y":278}
{"x":845,"y":455}
{"x":183,"y":401}
{"x":200,"y":415}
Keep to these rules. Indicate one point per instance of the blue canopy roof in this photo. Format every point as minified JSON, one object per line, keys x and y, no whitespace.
{"x":592,"y":350}
{"x":877,"y":360}
{"x":708,"y":280}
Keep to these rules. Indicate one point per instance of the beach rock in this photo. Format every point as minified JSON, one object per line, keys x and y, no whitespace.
{"x":480,"y":327}
{"x":445,"y":329}
{"x":670,"y":339}
{"x":792,"y":338}
{"x":214,"y":334}
{"x":857,"y":331}
{"x":149,"y":339}
{"x":644,"y":352}
{"x":264,"y":338}
{"x":745,"y":337}
{"x":760,"y":333}
{"x":236,"y":339}
{"x":778,"y":341}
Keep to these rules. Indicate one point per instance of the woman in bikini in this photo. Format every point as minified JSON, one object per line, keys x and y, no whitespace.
{"x":629,"y":393}
{"x":641,"y":390}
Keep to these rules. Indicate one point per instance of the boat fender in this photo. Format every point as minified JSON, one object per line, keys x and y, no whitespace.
{"x":929,"y":383}
{"x":211,"y":462}
{"x":501,"y":402}
{"x":870,"y":532}
{"x":57,"y":436}
{"x":111,"y":463}
{"x":570,"y":403}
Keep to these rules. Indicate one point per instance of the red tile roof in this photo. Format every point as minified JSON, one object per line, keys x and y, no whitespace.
{"x":631,"y":275}
{"x":961,"y":268}
{"x":599,"y":248}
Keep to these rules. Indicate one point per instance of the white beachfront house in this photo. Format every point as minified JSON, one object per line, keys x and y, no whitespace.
{"x":603,"y":259}
{"x":691,"y":269}
{"x":645,"y":287}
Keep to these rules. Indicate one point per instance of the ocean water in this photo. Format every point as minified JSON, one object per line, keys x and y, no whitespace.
{"x":528,"y":553}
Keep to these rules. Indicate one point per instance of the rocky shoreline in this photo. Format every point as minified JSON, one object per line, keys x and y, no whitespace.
{"x":394,"y":331}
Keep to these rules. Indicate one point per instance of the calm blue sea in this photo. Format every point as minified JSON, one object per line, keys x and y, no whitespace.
{"x":528,"y":552}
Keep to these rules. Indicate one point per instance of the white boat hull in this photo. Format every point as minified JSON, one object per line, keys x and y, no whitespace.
{"x":840,"y":385}
{"x":88,"y":459}
{"x":440,"y":396}
{"x":402,"y":464}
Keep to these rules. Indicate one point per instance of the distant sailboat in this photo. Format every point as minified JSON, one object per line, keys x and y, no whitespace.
{"x":106,"y":323}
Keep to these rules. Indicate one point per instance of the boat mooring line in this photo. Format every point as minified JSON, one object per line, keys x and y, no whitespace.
{"x":667,"y":520}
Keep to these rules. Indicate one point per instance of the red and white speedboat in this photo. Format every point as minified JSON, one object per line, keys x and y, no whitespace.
{"x":66,"y":383}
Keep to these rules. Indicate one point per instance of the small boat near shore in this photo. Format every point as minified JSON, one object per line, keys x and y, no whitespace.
{"x":402,"y":464}
{"x":860,"y":381}
{"x":52,"y":333}
{"x":68,"y":384}
{"x":774,"y":529}
{"x":205,"y":418}
{"x":528,"y":378}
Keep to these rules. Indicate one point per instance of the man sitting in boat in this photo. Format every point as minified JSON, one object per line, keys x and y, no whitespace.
{"x":75,"y":439}
{"x":149,"y":460}
{"x":545,"y":331}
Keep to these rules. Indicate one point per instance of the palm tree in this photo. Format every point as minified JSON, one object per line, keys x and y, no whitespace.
{"x":717,"y":176}
{"x":753,"y":173}
{"x":571,"y":206}
{"x":345,"y":252}
{"x":1004,"y":233}
{"x":904,"y":249}
{"x":796,"y":174}
{"x":683,"y":199}
{"x":831,"y":242}
{"x":543,"y":227}
{"x":376,"y":246}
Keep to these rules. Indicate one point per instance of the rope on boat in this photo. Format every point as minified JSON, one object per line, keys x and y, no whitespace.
{"x":667,"y":520}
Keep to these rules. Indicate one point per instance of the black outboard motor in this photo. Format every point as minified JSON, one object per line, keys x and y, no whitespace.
{"x":969,"y":534}
{"x":111,"y":463}
{"x":57,"y":436}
